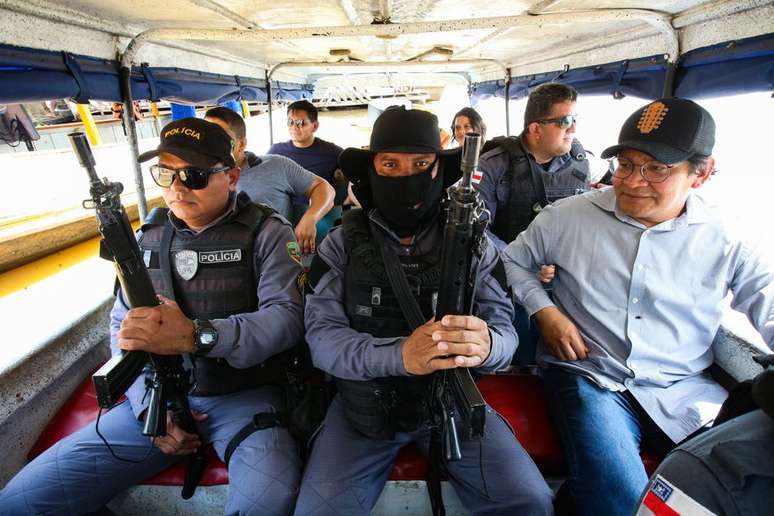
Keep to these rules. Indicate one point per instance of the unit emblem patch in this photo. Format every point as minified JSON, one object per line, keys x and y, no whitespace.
{"x":186,"y":263}
{"x":294,"y":251}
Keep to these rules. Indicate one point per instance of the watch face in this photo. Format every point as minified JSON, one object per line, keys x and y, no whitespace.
{"x":207,"y":338}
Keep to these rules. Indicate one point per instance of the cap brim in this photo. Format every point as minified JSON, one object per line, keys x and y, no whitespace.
{"x":658,"y":151}
{"x":194,"y":158}
{"x":355,"y":164}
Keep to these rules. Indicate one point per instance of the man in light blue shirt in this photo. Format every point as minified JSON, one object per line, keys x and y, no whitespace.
{"x":276,"y":181}
{"x":641,"y":272}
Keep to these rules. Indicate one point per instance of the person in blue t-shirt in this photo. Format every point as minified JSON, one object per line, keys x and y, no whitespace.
{"x":276,"y":180}
{"x":315,"y":155}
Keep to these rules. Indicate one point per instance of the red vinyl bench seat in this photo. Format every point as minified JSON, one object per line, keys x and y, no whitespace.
{"x":517,"y":397}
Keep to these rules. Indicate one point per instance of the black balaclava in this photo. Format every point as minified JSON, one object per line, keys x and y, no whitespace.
{"x":396,"y":198}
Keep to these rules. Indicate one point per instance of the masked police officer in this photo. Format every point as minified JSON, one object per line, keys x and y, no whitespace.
{"x":231,"y":267}
{"x":358,"y":334}
{"x":543,"y":164}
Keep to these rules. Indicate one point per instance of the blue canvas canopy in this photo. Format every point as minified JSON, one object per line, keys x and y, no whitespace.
{"x":28,"y":75}
{"x":734,"y":67}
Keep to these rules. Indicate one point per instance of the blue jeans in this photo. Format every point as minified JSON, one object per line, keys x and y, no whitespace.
{"x":602,"y":432}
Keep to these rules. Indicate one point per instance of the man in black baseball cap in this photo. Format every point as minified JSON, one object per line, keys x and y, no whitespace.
{"x":642,"y":271}
{"x":358,"y":333}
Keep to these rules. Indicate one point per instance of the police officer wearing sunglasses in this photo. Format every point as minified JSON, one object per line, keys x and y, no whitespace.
{"x":227,"y":269}
{"x":541,"y":165}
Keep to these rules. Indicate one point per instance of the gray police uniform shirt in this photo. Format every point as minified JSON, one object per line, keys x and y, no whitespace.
{"x":647,"y":301}
{"x":346,"y":353}
{"x":275,"y":181}
{"x":493,"y":165}
{"x":246,"y":339}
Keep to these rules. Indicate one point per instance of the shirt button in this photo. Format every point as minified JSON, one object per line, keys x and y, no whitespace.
{"x":635,"y":300}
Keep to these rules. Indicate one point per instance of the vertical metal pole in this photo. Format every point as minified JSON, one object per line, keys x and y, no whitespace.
{"x":88,"y":123}
{"x":507,"y":103}
{"x":268,"y":98}
{"x":669,"y":79}
{"x":131,"y":135}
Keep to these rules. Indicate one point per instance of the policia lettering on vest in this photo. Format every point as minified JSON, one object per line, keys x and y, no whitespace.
{"x":357,"y":332}
{"x":543,"y":164}
{"x":230,"y":305}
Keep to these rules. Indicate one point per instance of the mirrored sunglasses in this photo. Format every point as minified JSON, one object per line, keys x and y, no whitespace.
{"x":298,"y":123}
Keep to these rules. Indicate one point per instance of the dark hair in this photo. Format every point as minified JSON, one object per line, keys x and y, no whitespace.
{"x":475,"y":120}
{"x":304,"y":105}
{"x":543,"y":98}
{"x":232,"y":119}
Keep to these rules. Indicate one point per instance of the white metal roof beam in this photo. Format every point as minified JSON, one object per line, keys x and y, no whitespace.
{"x":716,"y":9}
{"x":397,"y":65}
{"x":85,"y":20}
{"x":660,"y":21}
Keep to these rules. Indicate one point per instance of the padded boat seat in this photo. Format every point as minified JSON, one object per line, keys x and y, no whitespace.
{"x":518,"y":398}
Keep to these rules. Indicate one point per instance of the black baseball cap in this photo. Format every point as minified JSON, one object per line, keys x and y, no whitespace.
{"x":670,"y":130}
{"x":407,"y":131}
{"x":201,"y":143}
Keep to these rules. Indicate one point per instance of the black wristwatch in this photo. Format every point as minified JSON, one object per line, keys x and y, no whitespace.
{"x":205,"y":336}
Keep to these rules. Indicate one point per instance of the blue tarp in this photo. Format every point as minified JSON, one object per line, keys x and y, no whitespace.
{"x":28,"y":75}
{"x":734,"y":67}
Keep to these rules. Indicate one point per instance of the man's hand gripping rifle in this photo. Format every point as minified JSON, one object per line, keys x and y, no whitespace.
{"x":168,"y":382}
{"x":466,"y":220}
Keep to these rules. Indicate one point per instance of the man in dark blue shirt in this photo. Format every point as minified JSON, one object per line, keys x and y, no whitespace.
{"x":315,"y":155}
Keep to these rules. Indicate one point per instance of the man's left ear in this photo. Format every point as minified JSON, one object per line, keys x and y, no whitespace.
{"x":316,"y":125}
{"x":233,"y":177}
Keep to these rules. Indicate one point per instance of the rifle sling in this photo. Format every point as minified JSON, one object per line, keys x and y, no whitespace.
{"x":260,"y":421}
{"x":408,"y":304}
{"x":413,"y":314}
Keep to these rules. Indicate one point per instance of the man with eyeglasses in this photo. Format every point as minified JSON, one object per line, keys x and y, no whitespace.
{"x":230,"y":305}
{"x":642,"y":272}
{"x":314,"y":154}
{"x":277,"y":180}
{"x":525,"y":173}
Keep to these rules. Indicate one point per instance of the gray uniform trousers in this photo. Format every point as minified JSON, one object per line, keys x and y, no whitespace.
{"x":78,"y":474}
{"x":346,"y":471}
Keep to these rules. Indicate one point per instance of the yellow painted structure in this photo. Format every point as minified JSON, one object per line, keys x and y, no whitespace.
{"x":245,"y":109}
{"x":154,"y":110}
{"x":88,"y":123}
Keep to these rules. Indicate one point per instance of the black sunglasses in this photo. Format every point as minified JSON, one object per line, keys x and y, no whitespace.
{"x":563,"y":121}
{"x":191,"y":177}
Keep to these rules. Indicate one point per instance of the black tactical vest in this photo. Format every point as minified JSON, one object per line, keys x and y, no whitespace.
{"x":212,"y":277}
{"x":380,"y":407}
{"x":531,"y":188}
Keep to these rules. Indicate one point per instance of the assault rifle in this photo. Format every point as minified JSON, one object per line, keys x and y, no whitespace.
{"x":167,"y":381}
{"x":455,"y":389}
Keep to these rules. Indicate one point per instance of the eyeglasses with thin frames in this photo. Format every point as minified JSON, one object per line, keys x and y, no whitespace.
{"x":191,"y":177}
{"x":651,"y":171}
{"x":563,"y":121}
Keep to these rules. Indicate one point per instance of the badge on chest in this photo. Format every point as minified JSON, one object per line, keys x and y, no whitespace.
{"x":187,"y":262}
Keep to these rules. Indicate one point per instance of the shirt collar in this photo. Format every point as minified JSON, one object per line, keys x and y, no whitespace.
{"x":696,"y":211}
{"x":182,"y":227}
